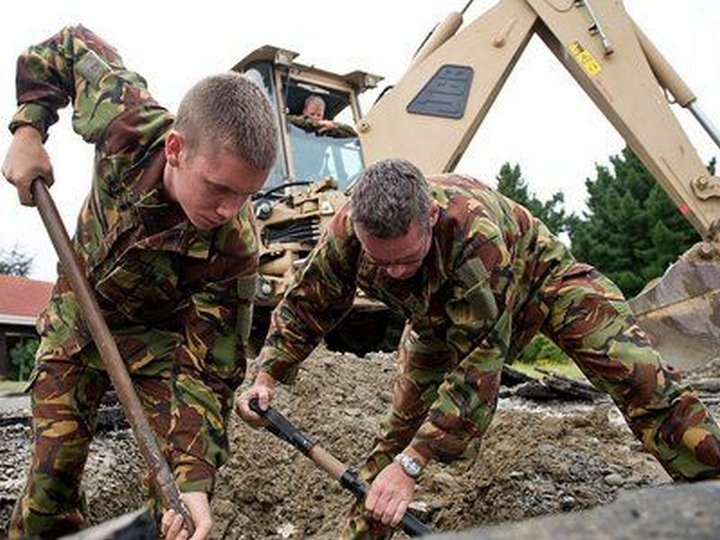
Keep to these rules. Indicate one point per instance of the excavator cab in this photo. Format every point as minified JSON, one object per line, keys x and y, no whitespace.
{"x":308,"y":156}
{"x":308,"y":184}
{"x":316,"y":155}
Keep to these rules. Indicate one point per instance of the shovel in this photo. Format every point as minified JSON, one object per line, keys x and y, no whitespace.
{"x":159,"y":469}
{"x":282,"y":428}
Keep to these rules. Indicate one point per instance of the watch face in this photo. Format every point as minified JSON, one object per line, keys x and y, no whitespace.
{"x":412,"y":467}
{"x":409,"y":465}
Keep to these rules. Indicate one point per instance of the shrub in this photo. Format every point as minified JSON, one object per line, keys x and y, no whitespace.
{"x":542,"y":349}
{"x":22,"y":358}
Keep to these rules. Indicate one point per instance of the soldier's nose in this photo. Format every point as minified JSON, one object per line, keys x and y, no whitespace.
{"x":230,"y":208}
{"x":396,"y":270}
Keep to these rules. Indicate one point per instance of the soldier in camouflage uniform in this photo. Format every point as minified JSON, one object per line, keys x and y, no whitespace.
{"x":476,"y":276}
{"x":313,"y":120}
{"x":167,"y":240}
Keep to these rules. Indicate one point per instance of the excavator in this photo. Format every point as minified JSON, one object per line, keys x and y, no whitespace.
{"x":430,"y":116}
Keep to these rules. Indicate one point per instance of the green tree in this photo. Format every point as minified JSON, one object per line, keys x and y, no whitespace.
{"x":15,"y":262}
{"x":22,"y":358}
{"x":632,"y":230}
{"x":511,"y":184}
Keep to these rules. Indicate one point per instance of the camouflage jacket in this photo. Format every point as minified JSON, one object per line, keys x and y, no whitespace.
{"x":482,"y":266}
{"x":154,"y":274}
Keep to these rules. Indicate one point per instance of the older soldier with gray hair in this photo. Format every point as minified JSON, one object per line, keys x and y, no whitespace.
{"x":168,"y":243}
{"x":313,"y":120}
{"x":477,"y":276}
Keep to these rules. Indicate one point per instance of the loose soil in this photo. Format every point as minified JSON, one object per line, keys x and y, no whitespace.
{"x":536,"y":459}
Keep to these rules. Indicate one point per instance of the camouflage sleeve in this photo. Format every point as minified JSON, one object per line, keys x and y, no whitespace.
{"x":303,"y":122}
{"x":75,"y":66}
{"x":465,"y":402}
{"x":321,"y":295}
{"x":211,"y":366}
{"x":339,"y":131}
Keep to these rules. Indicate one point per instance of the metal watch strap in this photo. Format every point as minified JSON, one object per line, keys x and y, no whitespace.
{"x":410,"y":465}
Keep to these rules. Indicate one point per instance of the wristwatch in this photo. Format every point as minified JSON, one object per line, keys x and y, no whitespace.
{"x":410,"y":465}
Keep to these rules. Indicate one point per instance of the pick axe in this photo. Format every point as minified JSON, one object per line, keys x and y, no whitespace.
{"x":159,"y":469}
{"x":282,"y":428}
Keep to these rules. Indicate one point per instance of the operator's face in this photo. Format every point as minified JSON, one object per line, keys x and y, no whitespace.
{"x":209,"y":186}
{"x":314,"y":110}
{"x":402,"y":256}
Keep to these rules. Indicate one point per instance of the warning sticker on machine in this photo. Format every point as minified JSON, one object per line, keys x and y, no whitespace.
{"x":585,"y":58}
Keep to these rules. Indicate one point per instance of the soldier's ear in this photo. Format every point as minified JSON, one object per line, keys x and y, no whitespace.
{"x":434,"y":214}
{"x":174,"y":144}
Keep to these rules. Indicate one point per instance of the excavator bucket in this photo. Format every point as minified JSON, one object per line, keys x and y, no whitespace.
{"x":681,"y":310}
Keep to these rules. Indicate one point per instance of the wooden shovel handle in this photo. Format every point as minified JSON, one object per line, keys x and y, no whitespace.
{"x":112,"y":360}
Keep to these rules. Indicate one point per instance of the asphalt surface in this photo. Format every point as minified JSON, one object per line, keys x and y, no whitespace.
{"x":12,"y":403}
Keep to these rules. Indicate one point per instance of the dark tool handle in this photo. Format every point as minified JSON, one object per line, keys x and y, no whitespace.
{"x":410,"y":524}
{"x":282,"y":428}
{"x":112,"y":360}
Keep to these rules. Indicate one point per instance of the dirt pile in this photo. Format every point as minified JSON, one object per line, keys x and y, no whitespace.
{"x":536,"y":459}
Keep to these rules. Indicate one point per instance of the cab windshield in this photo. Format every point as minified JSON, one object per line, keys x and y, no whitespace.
{"x":316,"y":157}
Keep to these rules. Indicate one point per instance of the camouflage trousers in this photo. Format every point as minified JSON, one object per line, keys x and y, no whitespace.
{"x":586,"y":315}
{"x":66,"y":394}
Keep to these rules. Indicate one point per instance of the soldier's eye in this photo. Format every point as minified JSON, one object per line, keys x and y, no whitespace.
{"x":218,"y":188}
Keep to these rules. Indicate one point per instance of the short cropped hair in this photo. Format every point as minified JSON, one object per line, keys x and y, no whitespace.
{"x":314,"y":98}
{"x":229,"y":111}
{"x":388,"y":195}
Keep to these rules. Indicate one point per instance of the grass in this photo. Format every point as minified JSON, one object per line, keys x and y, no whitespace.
{"x":12,"y":387}
{"x":566,"y":369}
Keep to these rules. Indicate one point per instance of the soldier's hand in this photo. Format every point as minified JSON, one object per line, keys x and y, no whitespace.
{"x":263,"y":389}
{"x":325,"y":125}
{"x":197,"y":503}
{"x":389,"y":495}
{"x":25,"y":161}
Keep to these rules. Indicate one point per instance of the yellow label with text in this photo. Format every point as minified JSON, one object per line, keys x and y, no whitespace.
{"x":585,"y":58}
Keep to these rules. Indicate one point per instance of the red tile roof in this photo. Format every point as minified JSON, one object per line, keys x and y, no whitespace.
{"x":22,"y":297}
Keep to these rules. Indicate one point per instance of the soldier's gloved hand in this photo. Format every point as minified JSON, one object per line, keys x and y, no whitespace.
{"x":263,"y":389}
{"x":25,"y":161}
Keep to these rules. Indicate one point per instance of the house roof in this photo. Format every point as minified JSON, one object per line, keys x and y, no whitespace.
{"x":22,"y":299}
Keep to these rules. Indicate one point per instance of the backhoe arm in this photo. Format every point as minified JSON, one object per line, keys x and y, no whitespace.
{"x":454,"y":79}
{"x":450,"y":87}
{"x":625,"y":85}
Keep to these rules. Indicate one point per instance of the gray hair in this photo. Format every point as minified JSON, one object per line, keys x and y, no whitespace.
{"x":388,"y":195}
{"x":229,"y":111}
{"x":314,"y":98}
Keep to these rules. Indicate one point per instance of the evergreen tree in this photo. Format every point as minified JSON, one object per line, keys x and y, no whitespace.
{"x":511,"y":184}
{"x":632,"y":230}
{"x":15,"y":263}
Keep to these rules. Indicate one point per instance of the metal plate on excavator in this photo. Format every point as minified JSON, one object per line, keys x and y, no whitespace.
{"x":445,"y":94}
